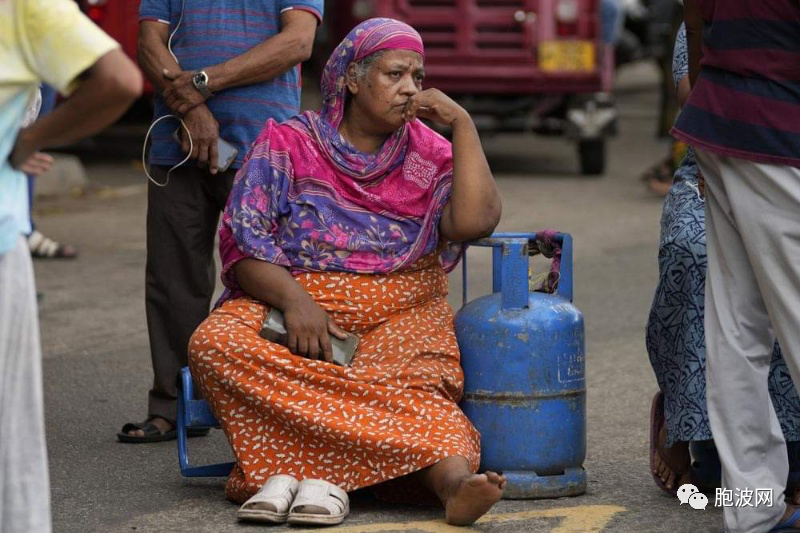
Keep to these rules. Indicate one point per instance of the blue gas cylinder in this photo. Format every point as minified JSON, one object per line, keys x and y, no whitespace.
{"x":523,"y":355}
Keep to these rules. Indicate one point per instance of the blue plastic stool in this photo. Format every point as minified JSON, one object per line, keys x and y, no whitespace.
{"x":194,"y":413}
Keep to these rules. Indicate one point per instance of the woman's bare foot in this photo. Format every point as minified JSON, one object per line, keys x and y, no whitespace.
{"x":465,"y":496}
{"x":672,"y":465}
{"x":473,"y":497}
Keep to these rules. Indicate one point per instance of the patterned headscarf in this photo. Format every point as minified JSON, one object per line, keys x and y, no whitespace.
{"x":370,"y":36}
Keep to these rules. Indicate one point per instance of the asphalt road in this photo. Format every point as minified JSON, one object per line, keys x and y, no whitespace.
{"x":97,"y":367}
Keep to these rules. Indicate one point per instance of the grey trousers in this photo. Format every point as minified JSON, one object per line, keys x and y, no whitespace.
{"x":752,"y":293}
{"x":24,"y":482}
{"x":180,"y":277}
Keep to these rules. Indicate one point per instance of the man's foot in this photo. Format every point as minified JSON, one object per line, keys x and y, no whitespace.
{"x":659,"y":177}
{"x":43,"y":247}
{"x":164,"y":426}
{"x":156,"y":429}
{"x":672,"y":465}
{"x":472,"y":497}
{"x":660,"y":188}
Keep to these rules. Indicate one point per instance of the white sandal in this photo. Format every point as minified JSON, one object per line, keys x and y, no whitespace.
{"x":319,"y":493}
{"x":46,"y":248}
{"x":277,"y":493}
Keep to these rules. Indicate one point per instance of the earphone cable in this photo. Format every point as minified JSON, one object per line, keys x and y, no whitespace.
{"x":159,"y":119}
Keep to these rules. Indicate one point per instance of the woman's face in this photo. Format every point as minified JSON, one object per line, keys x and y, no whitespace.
{"x":380,"y":96}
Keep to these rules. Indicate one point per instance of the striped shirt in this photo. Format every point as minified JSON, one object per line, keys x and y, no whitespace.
{"x":212,"y":32}
{"x":746,"y":102}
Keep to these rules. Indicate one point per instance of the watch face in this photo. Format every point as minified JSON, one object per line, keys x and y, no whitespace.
{"x":200,"y":78}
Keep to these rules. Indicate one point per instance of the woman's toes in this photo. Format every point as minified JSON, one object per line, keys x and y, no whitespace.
{"x":474,"y":496}
{"x":493,"y":477}
{"x":478,"y":479}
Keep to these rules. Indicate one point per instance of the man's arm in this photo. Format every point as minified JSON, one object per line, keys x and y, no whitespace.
{"x":106,"y":90}
{"x":154,"y":59}
{"x":271,"y":58}
{"x":153,"y":54}
{"x":261,"y":63}
{"x":694,"y":38}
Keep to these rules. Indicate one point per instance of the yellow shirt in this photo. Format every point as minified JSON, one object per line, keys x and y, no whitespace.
{"x":40,"y":40}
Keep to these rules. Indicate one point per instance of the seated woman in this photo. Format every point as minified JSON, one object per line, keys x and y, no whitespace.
{"x":347,"y":220}
{"x":676,"y":336}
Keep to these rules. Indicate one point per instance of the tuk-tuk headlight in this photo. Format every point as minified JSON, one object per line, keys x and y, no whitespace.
{"x":567,"y":11}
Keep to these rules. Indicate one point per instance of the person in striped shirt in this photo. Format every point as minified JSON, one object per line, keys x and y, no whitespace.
{"x":743,"y":119}
{"x":224,"y":67}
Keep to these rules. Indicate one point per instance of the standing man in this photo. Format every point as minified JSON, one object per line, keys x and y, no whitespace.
{"x":50,"y":41}
{"x":743,"y":117}
{"x":225,"y":67}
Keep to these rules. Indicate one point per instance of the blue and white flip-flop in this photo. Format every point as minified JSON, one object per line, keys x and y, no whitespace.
{"x":790,"y":524}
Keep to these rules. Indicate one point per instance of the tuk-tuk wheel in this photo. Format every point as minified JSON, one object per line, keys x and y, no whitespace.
{"x":592,"y":153}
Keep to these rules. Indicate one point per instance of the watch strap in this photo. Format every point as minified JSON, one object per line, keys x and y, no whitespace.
{"x":201,"y":84}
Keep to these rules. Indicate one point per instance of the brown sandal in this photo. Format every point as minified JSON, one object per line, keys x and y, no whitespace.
{"x":657,"y":422}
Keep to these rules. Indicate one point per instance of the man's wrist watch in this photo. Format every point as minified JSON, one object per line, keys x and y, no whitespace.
{"x":200,"y":82}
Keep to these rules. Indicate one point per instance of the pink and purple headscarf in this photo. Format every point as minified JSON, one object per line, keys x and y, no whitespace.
{"x":307,"y":199}
{"x":367,"y":38}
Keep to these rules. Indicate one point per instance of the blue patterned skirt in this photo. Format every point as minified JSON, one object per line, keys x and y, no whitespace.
{"x":675,"y":335}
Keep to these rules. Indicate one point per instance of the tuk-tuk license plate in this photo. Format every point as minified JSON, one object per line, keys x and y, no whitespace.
{"x":566,"y":56}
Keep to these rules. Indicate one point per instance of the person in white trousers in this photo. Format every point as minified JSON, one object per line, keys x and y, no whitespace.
{"x":742,"y":118}
{"x":40,"y":40}
{"x":752,"y":294}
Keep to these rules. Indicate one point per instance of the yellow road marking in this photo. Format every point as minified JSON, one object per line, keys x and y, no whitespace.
{"x":582,"y":519}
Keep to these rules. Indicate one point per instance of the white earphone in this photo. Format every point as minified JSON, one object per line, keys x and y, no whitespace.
{"x":159,"y":119}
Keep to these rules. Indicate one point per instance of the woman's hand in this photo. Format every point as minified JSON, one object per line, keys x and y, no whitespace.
{"x":37,"y":164}
{"x":308,"y":329}
{"x":433,"y":104}
{"x":474,"y":207}
{"x":308,"y":326}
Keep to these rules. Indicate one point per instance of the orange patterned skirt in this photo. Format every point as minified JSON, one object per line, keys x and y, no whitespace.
{"x":392,"y":412}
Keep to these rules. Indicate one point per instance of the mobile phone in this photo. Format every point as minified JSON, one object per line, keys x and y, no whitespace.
{"x":274,"y":329}
{"x":226,"y":152}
